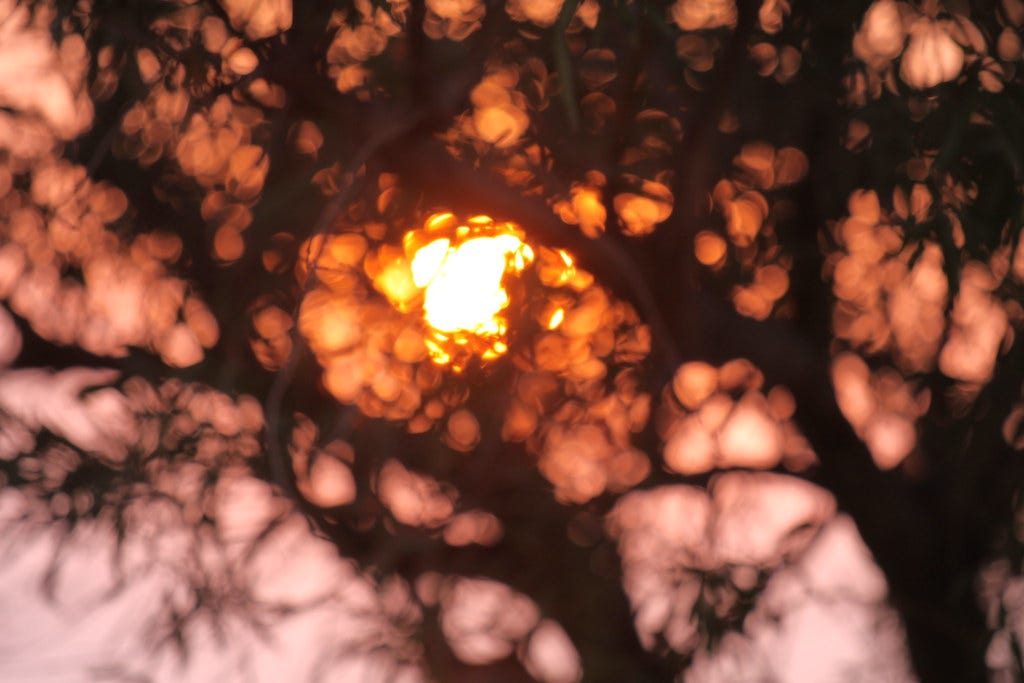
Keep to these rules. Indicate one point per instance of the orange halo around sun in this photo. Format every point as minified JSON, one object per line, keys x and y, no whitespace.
{"x":455,"y":273}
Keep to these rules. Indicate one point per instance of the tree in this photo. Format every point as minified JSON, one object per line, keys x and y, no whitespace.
{"x":755,"y":261}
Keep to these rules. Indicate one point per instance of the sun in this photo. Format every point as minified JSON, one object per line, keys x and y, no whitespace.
{"x":456,"y":274}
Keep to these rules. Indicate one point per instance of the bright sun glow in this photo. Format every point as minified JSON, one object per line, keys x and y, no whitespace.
{"x":465,"y":293}
{"x":460,"y":271}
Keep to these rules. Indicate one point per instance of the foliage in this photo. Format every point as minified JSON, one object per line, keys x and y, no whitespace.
{"x":760,"y":269}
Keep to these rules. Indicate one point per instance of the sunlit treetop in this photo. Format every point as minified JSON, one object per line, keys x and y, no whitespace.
{"x":406,"y":328}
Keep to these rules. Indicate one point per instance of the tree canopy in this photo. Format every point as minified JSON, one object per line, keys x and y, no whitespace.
{"x":612,"y":340}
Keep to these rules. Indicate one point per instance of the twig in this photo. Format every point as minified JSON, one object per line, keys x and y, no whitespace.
{"x":563,"y":65}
